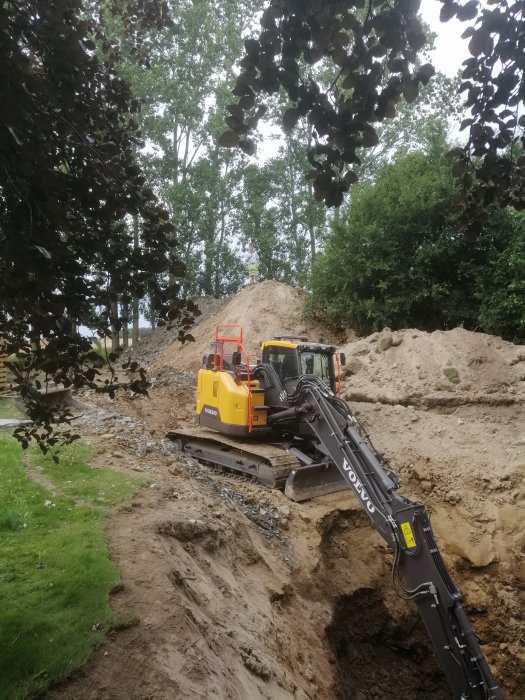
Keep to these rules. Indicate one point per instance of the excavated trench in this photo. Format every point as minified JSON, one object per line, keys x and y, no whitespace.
{"x":379,"y":644}
{"x":379,"y":657}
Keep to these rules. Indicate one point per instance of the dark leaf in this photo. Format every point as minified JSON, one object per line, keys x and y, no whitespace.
{"x":448,"y":11}
{"x":481,"y":42}
{"x":410,"y":91}
{"x":459,"y":168}
{"x":252,"y":46}
{"x":426,"y":72}
{"x":228,"y":139}
{"x":290,"y":118}
{"x":246,"y":102}
{"x":248,"y":146}
{"x":468,"y":11}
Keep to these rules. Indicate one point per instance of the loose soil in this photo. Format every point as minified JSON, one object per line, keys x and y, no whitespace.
{"x":232,"y":591}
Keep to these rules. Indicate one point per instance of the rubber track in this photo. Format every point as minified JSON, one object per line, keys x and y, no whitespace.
{"x":281,"y":461}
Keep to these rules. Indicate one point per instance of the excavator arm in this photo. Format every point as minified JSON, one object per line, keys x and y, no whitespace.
{"x":419,"y":572}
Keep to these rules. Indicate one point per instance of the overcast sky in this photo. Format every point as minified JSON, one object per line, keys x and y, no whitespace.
{"x":451,"y":50}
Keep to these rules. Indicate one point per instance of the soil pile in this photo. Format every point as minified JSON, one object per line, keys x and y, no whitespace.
{"x":447,"y":367}
{"x":240,"y":593}
{"x":263,"y":310}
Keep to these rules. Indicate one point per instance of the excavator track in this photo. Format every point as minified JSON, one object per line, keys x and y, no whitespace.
{"x":269,"y":463}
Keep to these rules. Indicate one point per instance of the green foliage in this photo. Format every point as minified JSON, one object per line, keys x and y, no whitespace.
{"x":55,"y":573}
{"x":451,"y":374}
{"x":182,"y":75}
{"x":69,"y":180}
{"x":395,"y":258}
{"x":502,"y":289}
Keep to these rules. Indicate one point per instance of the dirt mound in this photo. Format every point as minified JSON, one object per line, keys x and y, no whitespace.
{"x":151,"y":346}
{"x":404,"y":366}
{"x":263,"y":310}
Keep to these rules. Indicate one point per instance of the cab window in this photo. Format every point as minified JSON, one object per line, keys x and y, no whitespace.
{"x":283,"y":360}
{"x":316,"y":363}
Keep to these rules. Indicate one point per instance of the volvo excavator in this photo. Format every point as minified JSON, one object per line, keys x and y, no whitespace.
{"x":282,"y":421}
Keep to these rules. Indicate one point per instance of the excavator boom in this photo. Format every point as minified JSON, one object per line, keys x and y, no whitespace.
{"x":419,"y":571}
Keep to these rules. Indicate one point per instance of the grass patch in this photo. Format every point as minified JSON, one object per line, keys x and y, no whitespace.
{"x":55,"y":573}
{"x":9,"y":409}
{"x":451,"y":374}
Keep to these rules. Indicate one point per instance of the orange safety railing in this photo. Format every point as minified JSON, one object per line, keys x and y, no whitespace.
{"x":224,"y":333}
{"x":338,"y":365}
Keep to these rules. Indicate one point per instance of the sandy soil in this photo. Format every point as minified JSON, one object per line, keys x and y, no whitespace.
{"x":237,"y":592}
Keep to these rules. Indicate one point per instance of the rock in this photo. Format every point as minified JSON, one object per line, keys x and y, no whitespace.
{"x":142,"y":448}
{"x":426,"y":485}
{"x":453,"y":497}
{"x":397,"y":340}
{"x":386,"y":341}
{"x":254,"y":664}
{"x":284,"y":511}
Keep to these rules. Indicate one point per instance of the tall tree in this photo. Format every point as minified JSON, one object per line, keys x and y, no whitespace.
{"x":68,"y":179}
{"x":395,"y":259}
{"x":182,"y":77}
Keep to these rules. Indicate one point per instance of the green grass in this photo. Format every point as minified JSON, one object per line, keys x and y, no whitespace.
{"x":55,"y":573}
{"x":451,"y":374}
{"x":8,"y":409}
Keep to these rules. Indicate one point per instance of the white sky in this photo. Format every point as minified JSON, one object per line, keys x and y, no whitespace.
{"x":450,"y":50}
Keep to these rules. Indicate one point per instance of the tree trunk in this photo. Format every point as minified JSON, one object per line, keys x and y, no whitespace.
{"x":311,"y":227}
{"x":125,"y":325}
{"x":135,"y":303}
{"x":115,"y":335}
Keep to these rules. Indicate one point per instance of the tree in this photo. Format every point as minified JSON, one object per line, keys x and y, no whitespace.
{"x":182,"y":75}
{"x":375,"y":52}
{"x":396,"y":259}
{"x":502,"y":288}
{"x":68,"y":181}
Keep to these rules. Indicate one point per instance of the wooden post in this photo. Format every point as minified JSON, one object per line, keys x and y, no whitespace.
{"x":3,"y":372}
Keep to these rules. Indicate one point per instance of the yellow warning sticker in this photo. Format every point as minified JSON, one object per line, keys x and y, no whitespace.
{"x":408,"y":534}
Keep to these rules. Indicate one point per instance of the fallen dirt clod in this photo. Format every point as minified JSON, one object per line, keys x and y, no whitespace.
{"x":237,"y":592}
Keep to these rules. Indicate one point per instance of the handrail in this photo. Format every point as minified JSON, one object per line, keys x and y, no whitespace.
{"x":338,"y":365}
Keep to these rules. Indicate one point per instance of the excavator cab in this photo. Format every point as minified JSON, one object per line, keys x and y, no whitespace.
{"x":293,"y":357}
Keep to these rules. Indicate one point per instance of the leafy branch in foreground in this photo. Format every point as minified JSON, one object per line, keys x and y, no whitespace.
{"x":69,"y":185}
{"x":372,"y":50}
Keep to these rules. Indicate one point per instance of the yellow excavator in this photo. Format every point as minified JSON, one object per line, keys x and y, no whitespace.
{"x":242,"y":418}
{"x":282,"y":421}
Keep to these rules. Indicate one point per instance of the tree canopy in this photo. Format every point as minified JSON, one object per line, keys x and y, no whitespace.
{"x":395,"y":258}
{"x":374,"y":49}
{"x":68,"y":180}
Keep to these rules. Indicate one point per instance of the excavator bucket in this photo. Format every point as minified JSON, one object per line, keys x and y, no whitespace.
{"x":314,"y":480}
